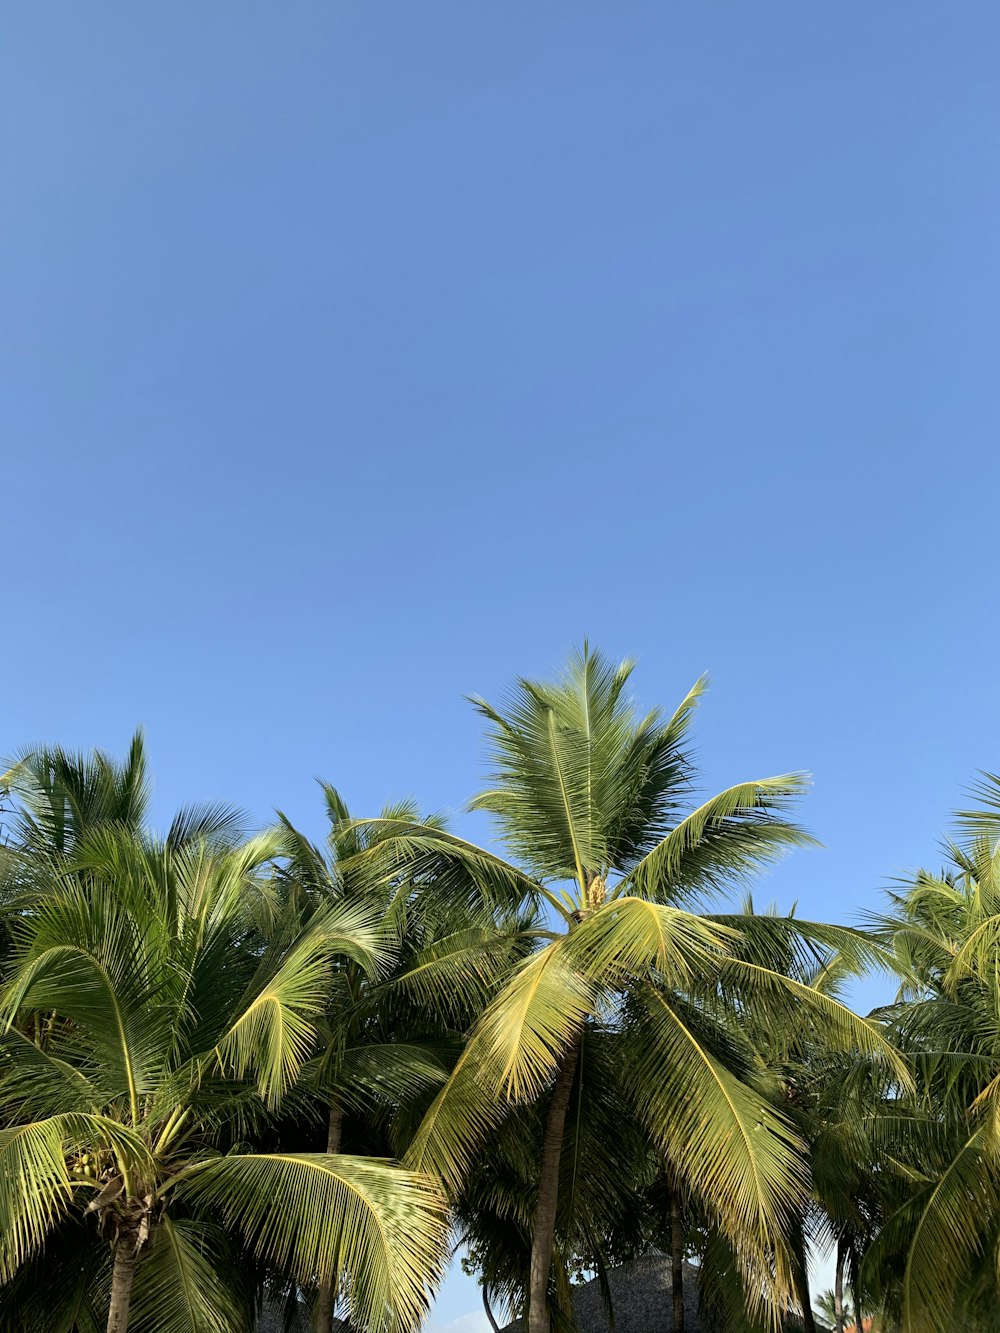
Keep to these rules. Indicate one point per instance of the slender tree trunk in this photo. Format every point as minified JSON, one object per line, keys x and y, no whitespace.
{"x":543,"y":1229}
{"x":805,"y":1299}
{"x":838,"y":1288}
{"x":122,"y":1276}
{"x":677,"y":1262}
{"x":323,"y":1319}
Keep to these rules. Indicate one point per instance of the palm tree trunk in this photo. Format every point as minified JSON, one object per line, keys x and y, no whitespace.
{"x":677,"y":1263}
{"x":543,"y":1229}
{"x":838,"y":1289}
{"x":323,"y":1318}
{"x":122,"y":1276}
{"x":805,"y":1299}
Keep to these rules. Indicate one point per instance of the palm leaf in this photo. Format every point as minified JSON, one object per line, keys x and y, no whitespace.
{"x":38,"y":1185}
{"x":511,"y":1056}
{"x":518,"y":1041}
{"x":440,"y":863}
{"x":725,"y":841}
{"x":733,"y":1149}
{"x":376,"y":1228}
{"x":786,"y":1000}
{"x":628,"y":936}
{"x":180,"y":1286}
{"x":943,"y":1229}
{"x":273,"y":1036}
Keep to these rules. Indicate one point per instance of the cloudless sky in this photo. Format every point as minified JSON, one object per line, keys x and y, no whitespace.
{"x":360,"y":356}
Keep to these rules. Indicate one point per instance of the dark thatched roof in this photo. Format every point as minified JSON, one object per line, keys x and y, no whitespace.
{"x":272,"y":1321}
{"x":643,"y":1301}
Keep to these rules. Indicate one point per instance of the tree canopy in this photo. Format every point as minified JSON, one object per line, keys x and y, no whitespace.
{"x":243,"y":1068}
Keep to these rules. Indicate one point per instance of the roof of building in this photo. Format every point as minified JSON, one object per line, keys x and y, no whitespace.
{"x":642,"y":1298}
{"x":272,"y":1321}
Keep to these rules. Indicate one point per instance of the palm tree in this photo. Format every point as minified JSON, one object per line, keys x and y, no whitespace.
{"x":935,"y":1260}
{"x":834,"y":1306}
{"x":391,"y":1037}
{"x":158,"y":1012}
{"x":60,"y":795}
{"x":49,"y":796}
{"x":840,"y":1103}
{"x":608,"y":1208}
{"x":589,"y":800}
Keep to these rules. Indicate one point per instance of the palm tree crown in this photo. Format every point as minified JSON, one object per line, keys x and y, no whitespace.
{"x":935,"y":1262}
{"x":160,"y":1007}
{"x":589,"y":797}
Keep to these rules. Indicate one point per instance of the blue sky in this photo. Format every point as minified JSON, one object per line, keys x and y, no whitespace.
{"x":361,"y":356}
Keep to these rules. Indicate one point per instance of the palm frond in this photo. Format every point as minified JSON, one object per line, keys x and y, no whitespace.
{"x":273,"y":1033}
{"x":457,"y":1123}
{"x":456,"y":973}
{"x":39,"y":1184}
{"x":792,"y":1002}
{"x":216,"y":823}
{"x":439,"y":863}
{"x":33,"y":1079}
{"x":185,"y":1283}
{"x":628,"y":936}
{"x":941,"y":1232}
{"x":391,"y":1071}
{"x":983,"y":822}
{"x":736,"y":1153}
{"x":722,"y":843}
{"x":521,"y":1035}
{"x":378,"y":1230}
{"x":94,"y":983}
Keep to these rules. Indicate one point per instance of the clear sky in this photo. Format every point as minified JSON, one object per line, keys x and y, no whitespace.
{"x":360,"y":356}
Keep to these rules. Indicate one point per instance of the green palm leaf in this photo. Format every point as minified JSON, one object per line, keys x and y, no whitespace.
{"x":725,"y":841}
{"x":540,"y":1011}
{"x":628,"y":936}
{"x":380,"y":1230}
{"x":510,"y":1056}
{"x":736,"y":1153}
{"x":38,"y":1183}
{"x":273,"y":1036}
{"x":944,"y":1233}
{"x":786,"y":1000}
{"x":180,"y":1287}
{"x":444,"y":865}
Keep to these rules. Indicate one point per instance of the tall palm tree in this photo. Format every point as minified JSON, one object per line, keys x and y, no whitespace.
{"x":840,"y":1103}
{"x":391,"y":1036}
{"x":158,"y":1012}
{"x":605,"y":1213}
{"x":589,"y":798}
{"x":834,"y":1305}
{"x":936,"y":1259}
